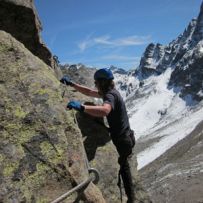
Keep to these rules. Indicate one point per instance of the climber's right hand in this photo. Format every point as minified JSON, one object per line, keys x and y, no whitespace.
{"x":66,"y":80}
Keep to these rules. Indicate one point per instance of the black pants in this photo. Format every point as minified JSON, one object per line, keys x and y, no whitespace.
{"x":124,"y":146}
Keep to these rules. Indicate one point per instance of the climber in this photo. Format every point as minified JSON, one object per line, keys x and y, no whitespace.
{"x":114,"y":109}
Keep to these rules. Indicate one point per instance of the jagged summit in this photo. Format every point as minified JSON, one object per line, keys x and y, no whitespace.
{"x":157,"y":58}
{"x":198,"y":32}
{"x":183,"y":55}
{"x":150,"y":59}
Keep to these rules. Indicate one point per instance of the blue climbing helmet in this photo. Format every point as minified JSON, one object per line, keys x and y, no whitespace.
{"x":103,"y":74}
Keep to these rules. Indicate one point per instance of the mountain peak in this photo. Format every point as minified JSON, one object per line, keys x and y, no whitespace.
{"x":118,"y":70}
{"x":198,"y":33}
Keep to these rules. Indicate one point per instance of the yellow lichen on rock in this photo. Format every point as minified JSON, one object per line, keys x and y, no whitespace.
{"x":18,"y":112}
{"x":38,"y":136}
{"x":9,"y":168}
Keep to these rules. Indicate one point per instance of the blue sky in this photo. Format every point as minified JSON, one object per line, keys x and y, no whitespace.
{"x":101,"y":33}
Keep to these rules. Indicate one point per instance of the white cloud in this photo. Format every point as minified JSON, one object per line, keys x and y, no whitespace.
{"x":132,"y":40}
{"x":103,"y":40}
{"x":106,"y":41}
{"x":120,"y":58}
{"x":83,"y":45}
{"x":86,"y":43}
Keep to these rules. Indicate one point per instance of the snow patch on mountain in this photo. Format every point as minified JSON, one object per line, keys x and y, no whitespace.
{"x":125,"y":83}
{"x":170,"y":135}
{"x":150,"y":108}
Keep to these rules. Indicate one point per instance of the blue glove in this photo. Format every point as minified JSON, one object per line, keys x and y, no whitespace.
{"x":66,"y":80}
{"x":75,"y":105}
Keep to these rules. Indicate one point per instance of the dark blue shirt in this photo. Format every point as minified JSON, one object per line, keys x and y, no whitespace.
{"x":117,"y":118}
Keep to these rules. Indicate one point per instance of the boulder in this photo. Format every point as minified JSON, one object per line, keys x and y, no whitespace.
{"x":41,"y":153}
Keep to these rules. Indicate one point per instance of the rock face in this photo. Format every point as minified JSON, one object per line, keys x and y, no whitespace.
{"x":19,"y":18}
{"x":41,"y":153}
{"x":198,"y":32}
{"x":189,"y":77}
{"x":150,"y":59}
{"x":189,"y":67}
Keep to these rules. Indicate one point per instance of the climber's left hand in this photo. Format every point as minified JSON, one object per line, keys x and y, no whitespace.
{"x":75,"y":105}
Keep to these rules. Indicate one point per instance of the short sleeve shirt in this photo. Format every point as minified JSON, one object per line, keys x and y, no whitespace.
{"x":117,"y":118}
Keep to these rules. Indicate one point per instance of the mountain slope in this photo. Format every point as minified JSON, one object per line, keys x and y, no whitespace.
{"x":177,"y":176}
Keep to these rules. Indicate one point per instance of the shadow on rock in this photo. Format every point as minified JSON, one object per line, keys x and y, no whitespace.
{"x":95,"y":132}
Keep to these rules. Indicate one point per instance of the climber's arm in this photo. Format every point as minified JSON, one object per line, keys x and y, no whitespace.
{"x":87,"y":91}
{"x":98,"y":111}
{"x":82,"y":89}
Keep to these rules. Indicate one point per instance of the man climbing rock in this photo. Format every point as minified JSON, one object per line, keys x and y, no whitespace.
{"x":114,"y":109}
